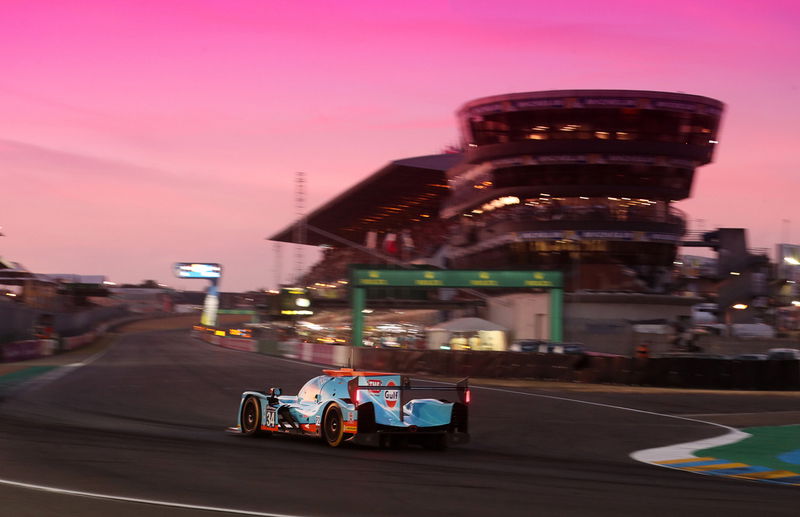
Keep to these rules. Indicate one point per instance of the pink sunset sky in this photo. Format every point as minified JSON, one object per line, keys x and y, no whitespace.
{"x":138,"y":133}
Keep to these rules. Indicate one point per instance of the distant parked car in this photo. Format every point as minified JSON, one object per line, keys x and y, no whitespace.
{"x":753,"y":330}
{"x":573,"y":348}
{"x":690,"y":355}
{"x":546,"y":347}
{"x":743,"y":330}
{"x":526,"y":345}
{"x":783,"y":354}
{"x":750,"y":357}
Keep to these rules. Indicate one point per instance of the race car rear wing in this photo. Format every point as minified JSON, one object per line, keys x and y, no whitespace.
{"x":461,"y":388}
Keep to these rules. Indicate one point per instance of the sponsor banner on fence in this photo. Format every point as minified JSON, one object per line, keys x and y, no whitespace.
{"x":245,"y":345}
{"x":21,"y":350}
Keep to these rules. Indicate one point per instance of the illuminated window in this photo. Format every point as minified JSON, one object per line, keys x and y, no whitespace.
{"x":602,"y":135}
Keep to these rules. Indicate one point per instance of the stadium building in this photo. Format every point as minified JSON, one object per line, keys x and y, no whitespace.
{"x":583,"y":181}
{"x":580,"y":181}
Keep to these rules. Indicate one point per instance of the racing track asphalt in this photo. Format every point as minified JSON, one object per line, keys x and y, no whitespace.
{"x":145,"y":420}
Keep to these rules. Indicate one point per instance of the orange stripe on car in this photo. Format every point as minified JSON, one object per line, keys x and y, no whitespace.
{"x":349,"y":372}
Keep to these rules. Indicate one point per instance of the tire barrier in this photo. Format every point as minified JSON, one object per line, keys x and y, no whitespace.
{"x":684,"y":372}
{"x":512,"y":365}
{"x":24,"y":350}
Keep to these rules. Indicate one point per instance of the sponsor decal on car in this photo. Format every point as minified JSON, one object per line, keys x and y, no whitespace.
{"x":270,"y":417}
{"x":374,"y":382}
{"x":391,"y":396}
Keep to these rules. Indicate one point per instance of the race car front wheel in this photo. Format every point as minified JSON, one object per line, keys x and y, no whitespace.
{"x":251,"y":416}
{"x":332,"y":431}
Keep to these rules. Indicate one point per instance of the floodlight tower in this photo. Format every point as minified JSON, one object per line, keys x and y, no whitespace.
{"x":300,"y":228}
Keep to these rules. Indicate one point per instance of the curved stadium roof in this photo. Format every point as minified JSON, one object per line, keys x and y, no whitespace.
{"x":389,"y":199}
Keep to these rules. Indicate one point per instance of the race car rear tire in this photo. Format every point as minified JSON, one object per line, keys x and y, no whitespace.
{"x":251,"y":417}
{"x":332,"y":428}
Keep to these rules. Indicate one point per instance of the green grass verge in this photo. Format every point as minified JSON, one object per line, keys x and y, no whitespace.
{"x":762,"y":448}
{"x":13,"y":379}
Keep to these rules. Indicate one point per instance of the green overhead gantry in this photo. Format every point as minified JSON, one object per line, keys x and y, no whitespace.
{"x":362,"y":277}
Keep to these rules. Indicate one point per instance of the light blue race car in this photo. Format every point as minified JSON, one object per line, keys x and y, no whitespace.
{"x":370,"y":408}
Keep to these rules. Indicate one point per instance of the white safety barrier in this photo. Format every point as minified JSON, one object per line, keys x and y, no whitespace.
{"x":318,"y":353}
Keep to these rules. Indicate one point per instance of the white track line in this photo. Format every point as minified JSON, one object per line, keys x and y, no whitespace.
{"x":611,"y":406}
{"x":62,"y":370}
{"x":678,"y":451}
{"x":66,"y":369}
{"x":92,"y":495}
{"x":263,"y":514}
{"x":686,"y":450}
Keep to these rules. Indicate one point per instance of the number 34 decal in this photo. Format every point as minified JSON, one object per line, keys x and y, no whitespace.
{"x":270,"y":417}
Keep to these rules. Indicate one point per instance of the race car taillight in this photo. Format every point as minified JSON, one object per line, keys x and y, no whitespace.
{"x":463,"y":391}
{"x":355,"y":393}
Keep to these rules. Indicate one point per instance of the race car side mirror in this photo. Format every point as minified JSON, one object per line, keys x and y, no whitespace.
{"x":274,"y":392}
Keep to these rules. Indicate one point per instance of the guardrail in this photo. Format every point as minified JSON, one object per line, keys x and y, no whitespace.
{"x":329,"y":355}
{"x":36,"y":348}
{"x":675,"y":372}
{"x":24,"y":350}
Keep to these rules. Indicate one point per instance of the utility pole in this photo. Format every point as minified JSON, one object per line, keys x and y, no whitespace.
{"x":278,"y":263}
{"x":299,"y":236}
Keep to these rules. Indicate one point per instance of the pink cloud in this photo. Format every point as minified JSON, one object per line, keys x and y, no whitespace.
{"x":179,"y":120}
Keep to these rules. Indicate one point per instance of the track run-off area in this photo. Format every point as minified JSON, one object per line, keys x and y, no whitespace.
{"x":137,"y":428}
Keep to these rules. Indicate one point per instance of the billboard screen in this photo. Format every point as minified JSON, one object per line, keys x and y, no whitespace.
{"x":198,"y":270}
